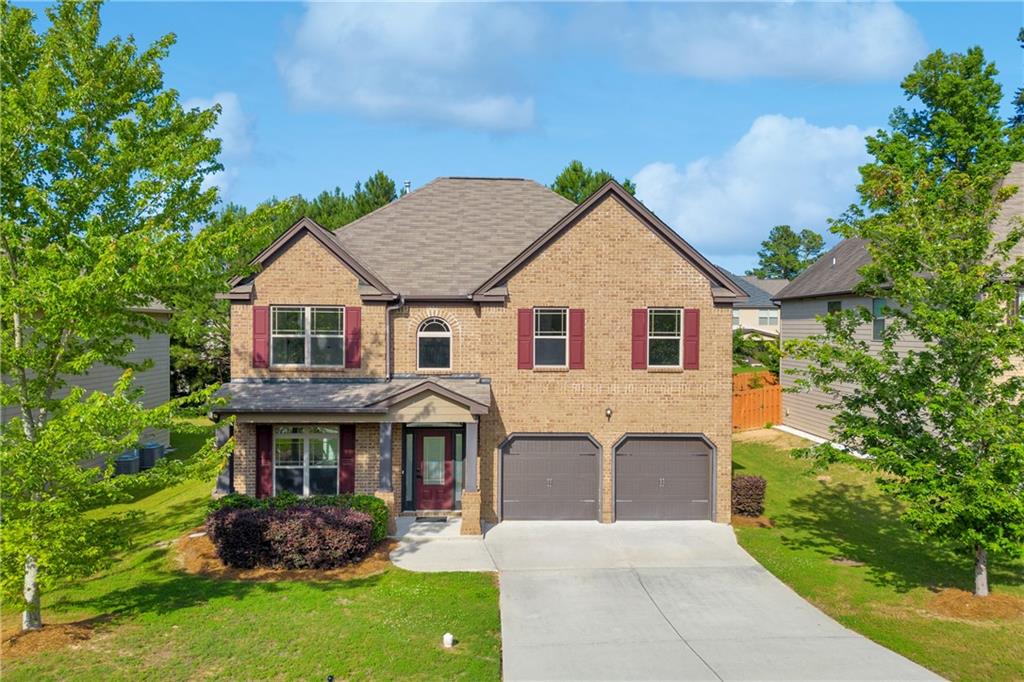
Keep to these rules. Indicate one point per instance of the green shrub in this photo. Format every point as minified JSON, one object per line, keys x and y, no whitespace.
{"x":378,"y":511}
{"x":235,"y":501}
{"x":283,"y":500}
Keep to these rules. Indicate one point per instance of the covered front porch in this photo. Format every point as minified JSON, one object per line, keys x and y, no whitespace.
{"x":412,"y":442}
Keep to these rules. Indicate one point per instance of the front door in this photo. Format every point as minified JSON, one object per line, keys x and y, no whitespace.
{"x":434,"y":461}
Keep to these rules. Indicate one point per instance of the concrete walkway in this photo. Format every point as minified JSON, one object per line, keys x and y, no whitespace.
{"x":648,"y":601}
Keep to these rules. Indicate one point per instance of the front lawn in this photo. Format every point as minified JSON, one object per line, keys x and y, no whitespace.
{"x":839,"y":543}
{"x":150,"y":620}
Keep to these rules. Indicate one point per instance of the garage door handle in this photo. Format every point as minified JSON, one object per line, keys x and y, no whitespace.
{"x":549,"y":482}
{"x":661,"y":482}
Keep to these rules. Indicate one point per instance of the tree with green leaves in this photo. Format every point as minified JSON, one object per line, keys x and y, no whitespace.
{"x":576,"y":182}
{"x":942,"y":424}
{"x":1017,"y":120}
{"x":786,"y":253}
{"x":103,"y":182}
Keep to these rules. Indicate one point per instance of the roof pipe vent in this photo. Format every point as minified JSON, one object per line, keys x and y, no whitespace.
{"x":406,"y":187}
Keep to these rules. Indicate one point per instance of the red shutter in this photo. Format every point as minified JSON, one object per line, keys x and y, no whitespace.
{"x":640,"y":338}
{"x":264,"y":460}
{"x":577,"y":338}
{"x":524,"y":338}
{"x":353,"y":337}
{"x":260,"y":336}
{"x":691,"y":338}
{"x":347,"y":462}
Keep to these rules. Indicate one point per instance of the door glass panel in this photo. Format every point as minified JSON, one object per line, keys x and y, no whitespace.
{"x":460,"y":460}
{"x":433,"y":460}
{"x":408,"y":469}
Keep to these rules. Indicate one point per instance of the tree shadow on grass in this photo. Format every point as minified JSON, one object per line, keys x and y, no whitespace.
{"x":845,"y":521}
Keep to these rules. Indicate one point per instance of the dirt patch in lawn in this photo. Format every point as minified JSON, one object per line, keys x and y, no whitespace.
{"x":53,"y":636}
{"x":196,"y":554}
{"x":752,"y":521}
{"x":774,"y":437}
{"x":959,"y":604}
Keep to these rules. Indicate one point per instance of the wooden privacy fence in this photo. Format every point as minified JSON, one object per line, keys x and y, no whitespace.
{"x":756,"y":400}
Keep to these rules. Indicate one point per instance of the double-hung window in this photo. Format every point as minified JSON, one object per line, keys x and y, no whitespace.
{"x":307,"y":335}
{"x":834,"y":307}
{"x":550,"y":337}
{"x":306,"y":460}
{"x":878,"y":321}
{"x":768,"y":318}
{"x":664,"y":337}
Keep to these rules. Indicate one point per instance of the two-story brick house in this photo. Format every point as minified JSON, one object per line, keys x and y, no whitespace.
{"x":487,"y":347}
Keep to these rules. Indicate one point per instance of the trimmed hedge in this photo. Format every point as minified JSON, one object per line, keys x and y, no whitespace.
{"x":368,"y":504}
{"x":299,"y":536}
{"x":748,"y":495}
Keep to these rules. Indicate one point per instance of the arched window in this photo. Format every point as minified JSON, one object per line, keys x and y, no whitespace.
{"x":434,"y":344}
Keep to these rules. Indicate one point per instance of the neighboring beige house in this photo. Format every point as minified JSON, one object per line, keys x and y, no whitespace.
{"x":759,"y":314}
{"x":155,"y":382}
{"x":827,"y":286}
{"x":486,"y":348}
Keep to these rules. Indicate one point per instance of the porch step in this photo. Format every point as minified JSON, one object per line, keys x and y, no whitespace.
{"x":434,"y":513}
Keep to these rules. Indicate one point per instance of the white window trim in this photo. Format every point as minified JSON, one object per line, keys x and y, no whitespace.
{"x":306,"y":466}
{"x":564,"y":336}
{"x":435,"y":335}
{"x":308,"y":335}
{"x":679,"y":338}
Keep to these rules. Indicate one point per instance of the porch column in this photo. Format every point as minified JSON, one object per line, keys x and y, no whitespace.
{"x":470,"y":489}
{"x":469,"y":474}
{"x":384,"y":476}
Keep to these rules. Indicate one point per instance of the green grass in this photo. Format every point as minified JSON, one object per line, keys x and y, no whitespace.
{"x":167,"y":624}
{"x":885,"y":598}
{"x":748,"y":369}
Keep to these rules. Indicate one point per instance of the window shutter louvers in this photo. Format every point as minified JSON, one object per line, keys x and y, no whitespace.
{"x":524,"y":338}
{"x":264,"y":460}
{"x":691,"y":338}
{"x":640,"y":338}
{"x":577,"y":338}
{"x":353,"y":337}
{"x":347,"y":460}
{"x":261,"y":336}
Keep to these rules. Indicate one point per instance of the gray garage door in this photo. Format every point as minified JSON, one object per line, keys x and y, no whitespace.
{"x":662,"y":478}
{"x":549,"y":477}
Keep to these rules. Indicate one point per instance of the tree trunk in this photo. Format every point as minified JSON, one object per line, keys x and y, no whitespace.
{"x":980,"y":572}
{"x":31,"y":617}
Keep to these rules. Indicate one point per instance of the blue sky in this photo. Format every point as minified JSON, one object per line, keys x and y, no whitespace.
{"x":731,"y":118}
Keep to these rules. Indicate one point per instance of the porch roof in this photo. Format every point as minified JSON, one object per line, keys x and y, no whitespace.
{"x":356,"y":396}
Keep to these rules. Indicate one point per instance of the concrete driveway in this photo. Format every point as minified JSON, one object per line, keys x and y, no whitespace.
{"x":655,"y":601}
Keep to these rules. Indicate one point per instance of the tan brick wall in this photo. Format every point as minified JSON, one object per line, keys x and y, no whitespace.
{"x":306,"y":274}
{"x":608,"y":264}
{"x":245,"y":459}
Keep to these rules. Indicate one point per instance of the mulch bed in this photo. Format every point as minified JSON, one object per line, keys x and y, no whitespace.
{"x":953,"y":603}
{"x":198,"y":556}
{"x":752,"y":521}
{"x":53,"y":636}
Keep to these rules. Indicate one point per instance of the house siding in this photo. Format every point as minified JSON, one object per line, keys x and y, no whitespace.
{"x":749,"y":321}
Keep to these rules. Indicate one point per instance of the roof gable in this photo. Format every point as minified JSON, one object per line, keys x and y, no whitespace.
{"x":723,"y":288}
{"x":242,"y":288}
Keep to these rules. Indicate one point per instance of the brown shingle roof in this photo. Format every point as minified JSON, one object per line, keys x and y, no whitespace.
{"x":832,"y":274}
{"x":450,"y":235}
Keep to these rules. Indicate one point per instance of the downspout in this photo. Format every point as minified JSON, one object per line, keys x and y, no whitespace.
{"x":387,"y":335}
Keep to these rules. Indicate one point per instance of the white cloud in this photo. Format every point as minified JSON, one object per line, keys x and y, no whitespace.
{"x":825,"y":41}
{"x":782,"y":171}
{"x":234,"y":130}
{"x":439,"y":63}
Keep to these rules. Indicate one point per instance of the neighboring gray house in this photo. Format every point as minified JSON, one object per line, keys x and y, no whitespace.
{"x":155,"y":381}
{"x":759,"y":314}
{"x":827,"y":286}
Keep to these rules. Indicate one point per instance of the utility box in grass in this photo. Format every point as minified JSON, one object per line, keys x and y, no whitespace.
{"x":127,"y":463}
{"x":149,"y":454}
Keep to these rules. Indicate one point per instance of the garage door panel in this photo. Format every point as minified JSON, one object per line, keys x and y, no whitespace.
{"x":662,"y":478}
{"x":550,"y":477}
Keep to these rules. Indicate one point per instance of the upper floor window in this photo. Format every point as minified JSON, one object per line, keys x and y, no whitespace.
{"x":550,"y":337}
{"x":878,"y":321}
{"x":1020,"y":304}
{"x":834,"y":307}
{"x":664,"y":337}
{"x":768,"y":318}
{"x":434,"y":344}
{"x":307,"y":335}
{"x":306,"y":460}
{"x":735,"y":319}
